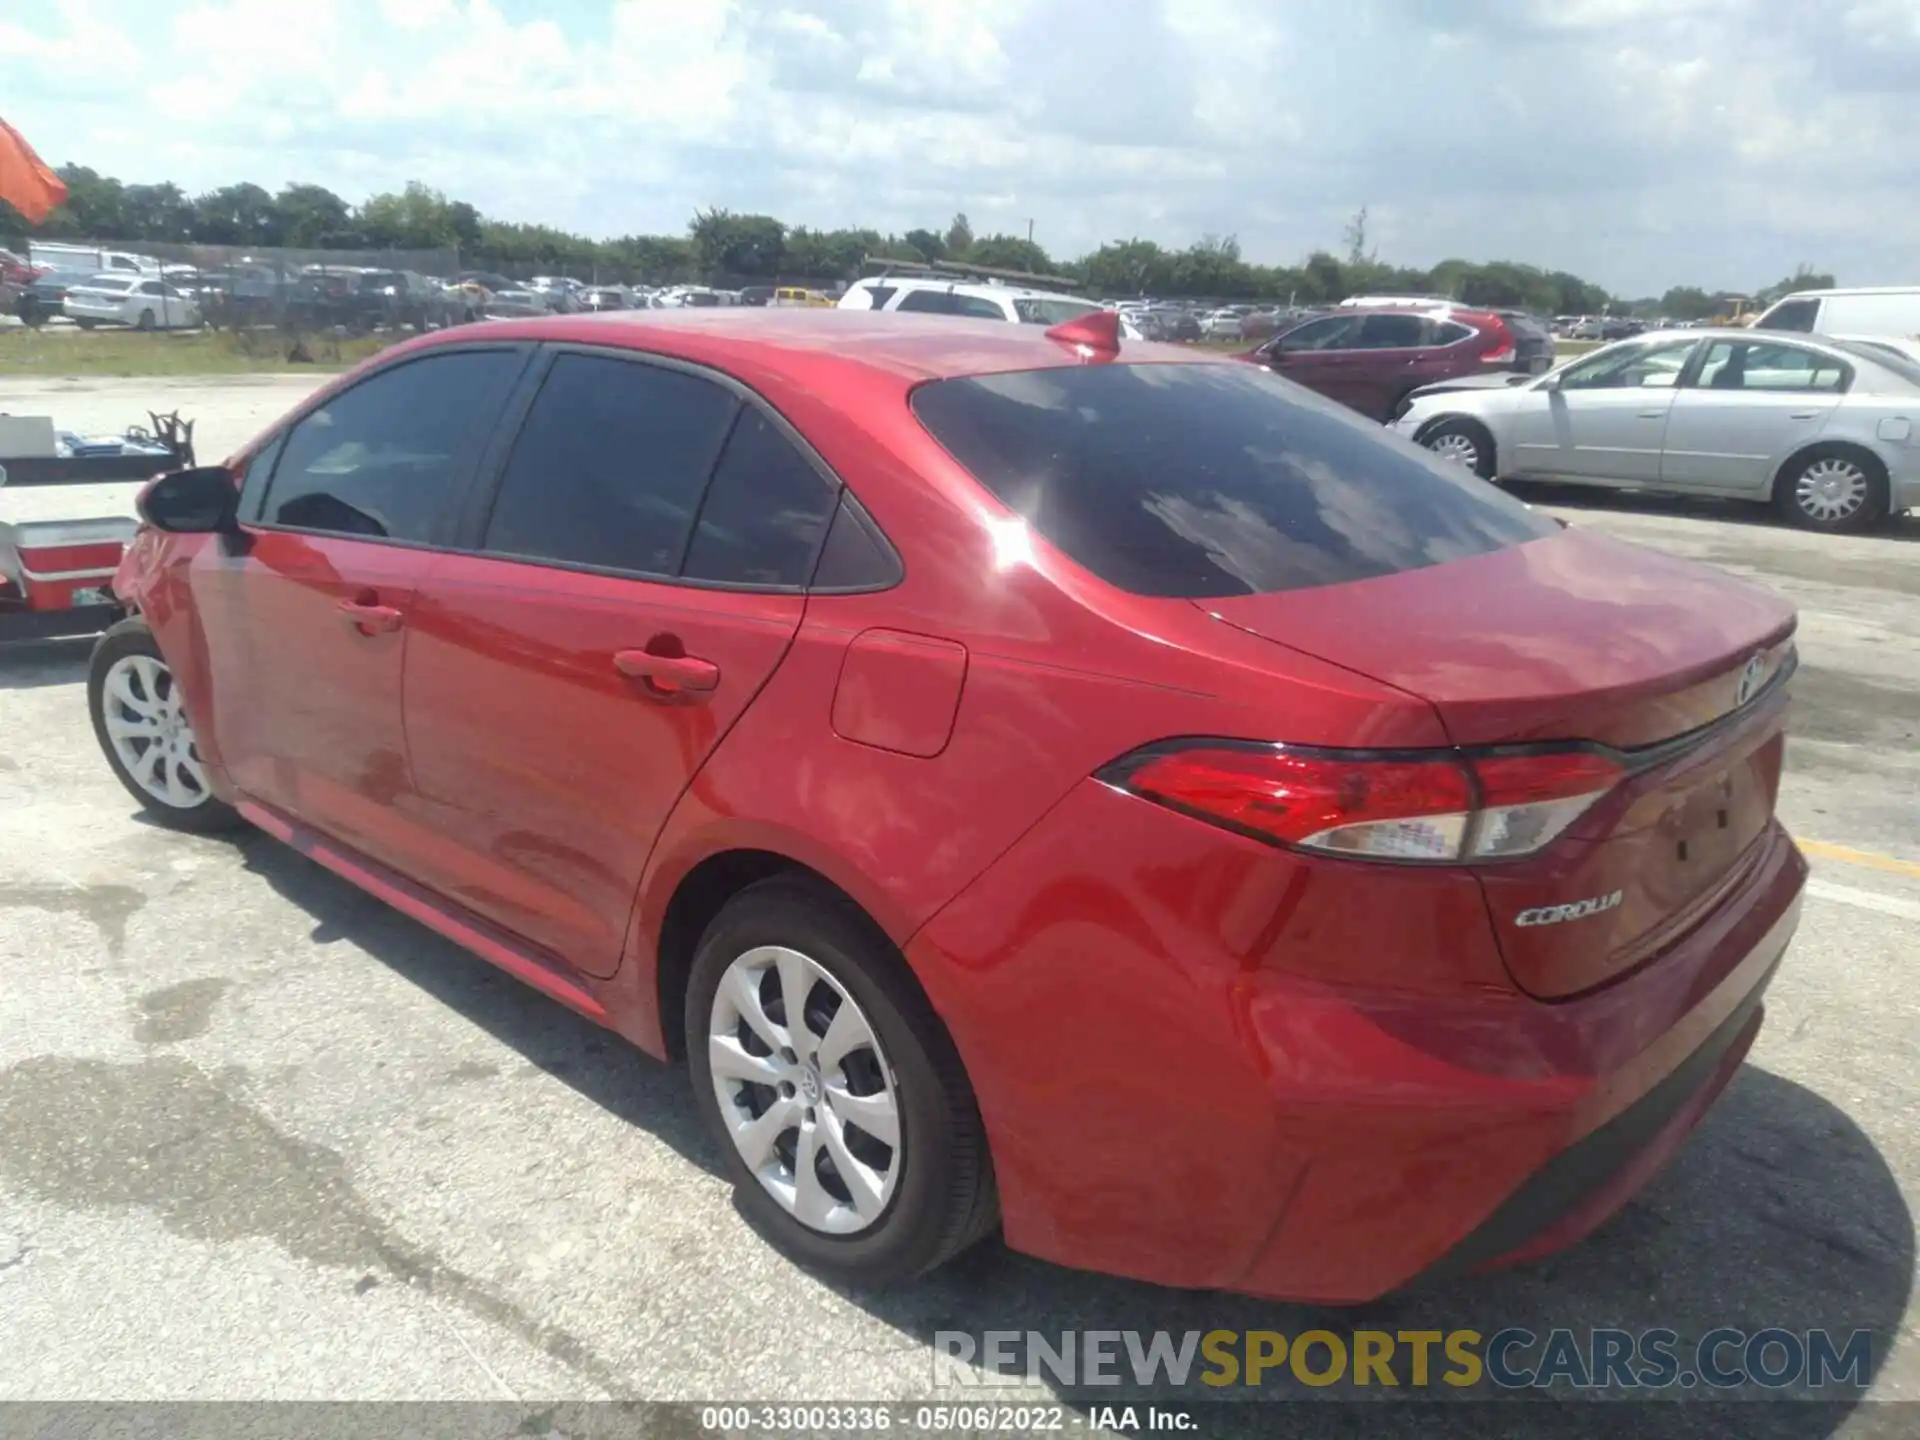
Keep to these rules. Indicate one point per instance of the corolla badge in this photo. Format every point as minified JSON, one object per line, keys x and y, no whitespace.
{"x":1750,"y":679}
{"x":1573,"y":910}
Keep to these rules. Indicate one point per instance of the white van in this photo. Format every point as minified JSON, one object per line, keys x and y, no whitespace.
{"x":1879,"y":310}
{"x":67,"y":259}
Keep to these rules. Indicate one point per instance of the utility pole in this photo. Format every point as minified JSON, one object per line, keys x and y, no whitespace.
{"x":1029,"y":232}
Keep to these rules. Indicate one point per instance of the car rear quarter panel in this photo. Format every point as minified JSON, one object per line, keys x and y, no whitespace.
{"x":1061,"y":675}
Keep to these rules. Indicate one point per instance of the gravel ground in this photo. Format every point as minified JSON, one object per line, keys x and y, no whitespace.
{"x":263,"y":1138}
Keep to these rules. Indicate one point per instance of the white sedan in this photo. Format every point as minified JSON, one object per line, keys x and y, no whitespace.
{"x":1827,"y":431}
{"x":144,"y":302}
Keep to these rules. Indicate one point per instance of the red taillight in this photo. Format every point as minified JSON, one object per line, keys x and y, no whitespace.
{"x":1500,"y":338}
{"x":1442,"y":809}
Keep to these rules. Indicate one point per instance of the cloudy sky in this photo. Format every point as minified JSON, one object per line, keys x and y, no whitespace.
{"x":1640,"y":143}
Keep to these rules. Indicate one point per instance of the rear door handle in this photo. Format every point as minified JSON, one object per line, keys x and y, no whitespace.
{"x":1652,"y":414}
{"x":1804,"y":415}
{"x":669,"y":674}
{"x":369,"y":618}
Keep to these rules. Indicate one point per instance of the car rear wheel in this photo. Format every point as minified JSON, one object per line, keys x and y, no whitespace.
{"x":833,"y":1091}
{"x":145,"y":322}
{"x":86,"y":324}
{"x":1832,"y":488}
{"x":140,"y":720}
{"x":1464,"y":442}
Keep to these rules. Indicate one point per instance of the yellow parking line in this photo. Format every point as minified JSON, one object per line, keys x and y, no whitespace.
{"x":1821,"y":850}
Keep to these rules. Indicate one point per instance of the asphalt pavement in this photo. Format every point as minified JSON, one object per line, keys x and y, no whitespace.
{"x":263,"y":1138}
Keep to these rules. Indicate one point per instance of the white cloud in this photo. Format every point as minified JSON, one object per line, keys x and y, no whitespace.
{"x":1639,"y":142}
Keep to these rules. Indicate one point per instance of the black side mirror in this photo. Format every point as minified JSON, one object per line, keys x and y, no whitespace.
{"x":201,"y":501}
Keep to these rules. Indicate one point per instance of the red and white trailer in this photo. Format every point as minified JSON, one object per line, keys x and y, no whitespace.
{"x":56,"y":573}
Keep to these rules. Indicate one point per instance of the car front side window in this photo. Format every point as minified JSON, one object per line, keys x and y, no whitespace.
{"x":1336,"y":332}
{"x":389,"y":458}
{"x":1629,"y":367}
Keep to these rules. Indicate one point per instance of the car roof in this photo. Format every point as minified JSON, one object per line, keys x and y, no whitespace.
{"x":966,"y":287}
{"x":1850,"y":290}
{"x":801,"y":345}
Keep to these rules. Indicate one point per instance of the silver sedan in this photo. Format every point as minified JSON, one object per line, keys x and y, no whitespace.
{"x":1827,"y":431}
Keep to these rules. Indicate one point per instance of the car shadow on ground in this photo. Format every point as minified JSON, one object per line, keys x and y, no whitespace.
{"x":600,"y":1065}
{"x":1779,"y":1212}
{"x":1695,"y":507}
{"x":35,"y":664}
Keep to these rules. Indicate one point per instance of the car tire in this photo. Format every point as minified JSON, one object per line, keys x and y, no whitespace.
{"x":86,"y":324}
{"x":931,"y":1194}
{"x":1836,"y":489}
{"x":145,"y":322}
{"x":1463,"y":441}
{"x":138,"y":714}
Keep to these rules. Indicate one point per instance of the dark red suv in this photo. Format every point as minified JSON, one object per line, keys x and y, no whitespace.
{"x":1097,"y":790}
{"x":1372,"y":358}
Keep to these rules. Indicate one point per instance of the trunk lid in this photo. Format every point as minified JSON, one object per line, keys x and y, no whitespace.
{"x":1579,"y":637}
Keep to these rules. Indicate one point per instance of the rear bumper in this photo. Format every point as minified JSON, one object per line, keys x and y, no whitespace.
{"x":1582,"y":1187}
{"x":1180,"y":1083}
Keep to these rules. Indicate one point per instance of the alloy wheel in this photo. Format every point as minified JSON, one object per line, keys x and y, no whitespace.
{"x":1456,"y":447}
{"x":805,"y":1089}
{"x":147,"y":726}
{"x":1831,"y":490}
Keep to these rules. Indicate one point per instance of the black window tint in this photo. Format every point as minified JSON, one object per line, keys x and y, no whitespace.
{"x":855,"y":556}
{"x":609,"y":466}
{"x":253,"y":485}
{"x":978,"y":307}
{"x":762,"y":519}
{"x":931,"y":302}
{"x":1391,"y":332}
{"x":387,"y":458}
{"x":1792,"y":315}
{"x":1335,"y":332}
{"x":1452,"y":332}
{"x":880,"y":295}
{"x":1197,"y":480}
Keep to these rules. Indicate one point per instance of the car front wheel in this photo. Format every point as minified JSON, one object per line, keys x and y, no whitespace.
{"x":140,"y":720}
{"x":1465,"y":443}
{"x":833,"y":1091}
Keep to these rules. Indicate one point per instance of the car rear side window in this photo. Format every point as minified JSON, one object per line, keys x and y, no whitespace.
{"x":765,"y":512}
{"x":927,"y":302}
{"x":1212,"y":480}
{"x":610,"y":465}
{"x":1391,"y":332}
{"x":388,"y":458}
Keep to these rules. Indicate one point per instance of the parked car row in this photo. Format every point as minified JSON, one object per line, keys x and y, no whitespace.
{"x":1827,"y":431}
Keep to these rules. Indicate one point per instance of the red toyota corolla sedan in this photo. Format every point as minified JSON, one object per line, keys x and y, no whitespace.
{"x":1098,"y":791}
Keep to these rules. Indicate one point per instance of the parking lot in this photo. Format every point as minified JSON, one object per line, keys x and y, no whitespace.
{"x":266,"y":1138}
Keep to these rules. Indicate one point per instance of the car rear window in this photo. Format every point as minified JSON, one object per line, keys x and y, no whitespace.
{"x":1891,"y":356}
{"x":1212,"y":480}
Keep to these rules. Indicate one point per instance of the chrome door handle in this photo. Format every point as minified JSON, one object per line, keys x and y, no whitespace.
{"x":1803,"y":415}
{"x":1652,"y":414}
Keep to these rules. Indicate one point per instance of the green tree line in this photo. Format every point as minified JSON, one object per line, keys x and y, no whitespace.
{"x":726,"y":245}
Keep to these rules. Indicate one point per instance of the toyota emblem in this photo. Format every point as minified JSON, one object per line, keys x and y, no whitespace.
{"x":1750,"y":681}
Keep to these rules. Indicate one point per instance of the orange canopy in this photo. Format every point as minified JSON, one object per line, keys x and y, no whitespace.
{"x":25,"y":181}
